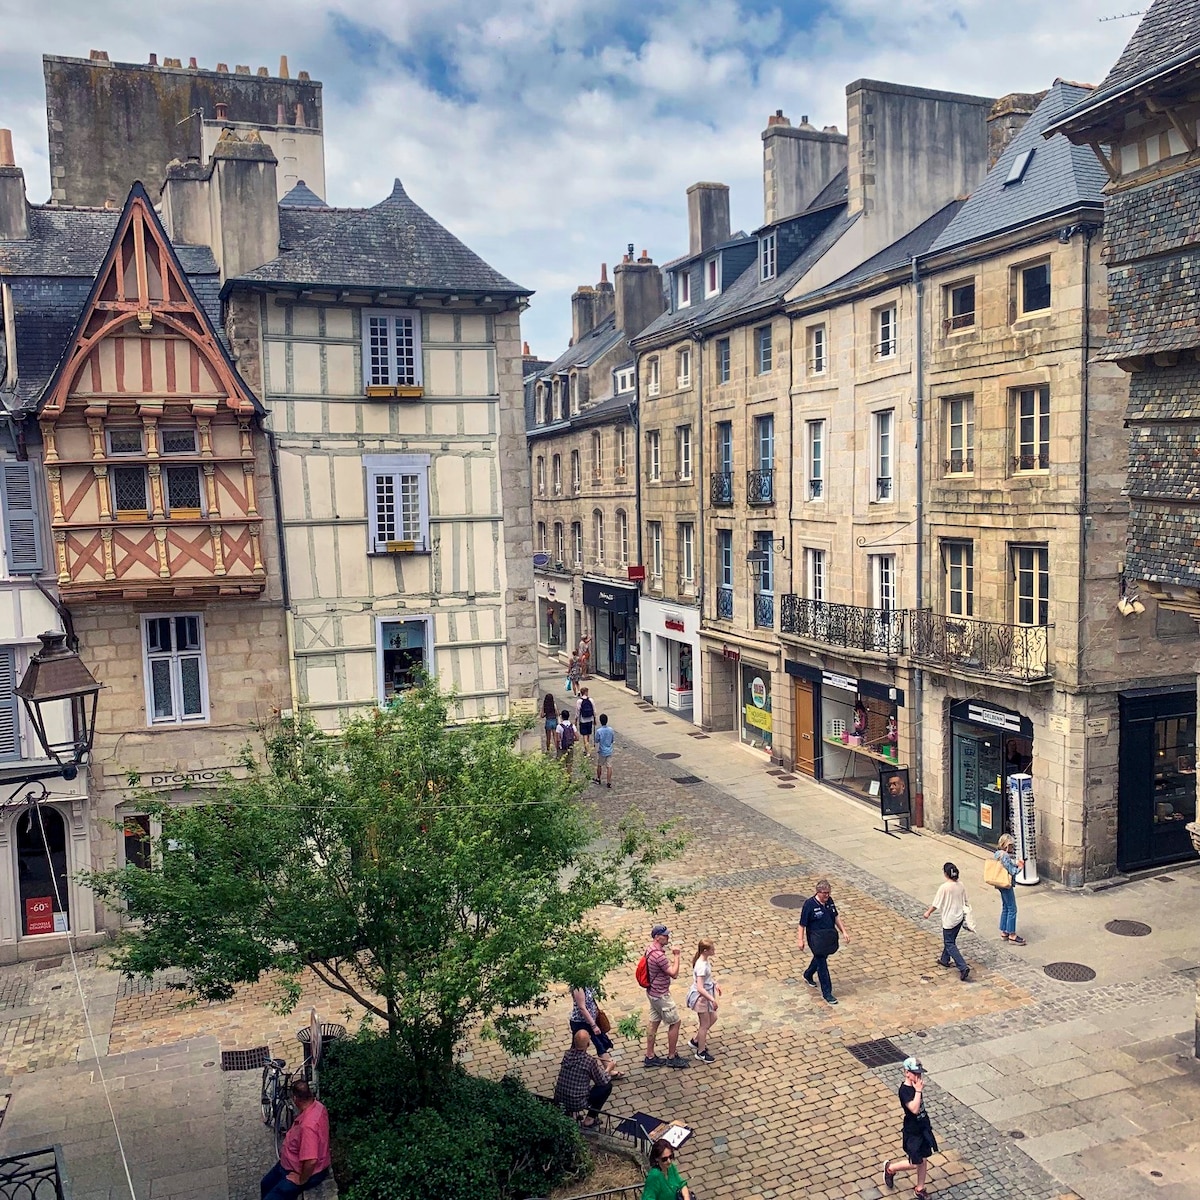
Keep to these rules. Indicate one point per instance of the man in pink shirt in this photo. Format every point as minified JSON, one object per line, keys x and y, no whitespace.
{"x":304,"y":1159}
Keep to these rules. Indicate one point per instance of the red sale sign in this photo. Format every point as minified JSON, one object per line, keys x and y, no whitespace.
{"x":39,"y":915}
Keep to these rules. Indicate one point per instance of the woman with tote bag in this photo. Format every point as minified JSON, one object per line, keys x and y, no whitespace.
{"x":1000,"y":871}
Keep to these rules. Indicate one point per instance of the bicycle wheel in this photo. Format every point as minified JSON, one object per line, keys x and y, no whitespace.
{"x":270,"y":1089}
{"x":285,"y":1114}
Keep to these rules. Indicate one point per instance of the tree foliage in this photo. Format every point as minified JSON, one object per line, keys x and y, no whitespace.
{"x":431,"y":873}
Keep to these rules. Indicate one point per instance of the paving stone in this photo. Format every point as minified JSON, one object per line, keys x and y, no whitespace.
{"x":1096,"y":1085}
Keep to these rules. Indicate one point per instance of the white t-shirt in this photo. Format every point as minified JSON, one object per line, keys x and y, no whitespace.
{"x":950,"y":901}
{"x":704,"y":977}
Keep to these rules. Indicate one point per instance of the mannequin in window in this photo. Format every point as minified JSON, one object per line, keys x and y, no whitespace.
{"x":860,"y":718}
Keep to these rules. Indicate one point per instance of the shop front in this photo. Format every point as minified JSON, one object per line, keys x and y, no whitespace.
{"x":611,"y":611}
{"x":552,"y":597}
{"x":1157,"y":779}
{"x":987,"y":745}
{"x":671,"y":648}
{"x":756,"y":728}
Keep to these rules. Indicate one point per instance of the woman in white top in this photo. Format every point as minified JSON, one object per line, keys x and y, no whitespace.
{"x":703,"y":998}
{"x":951,"y":902}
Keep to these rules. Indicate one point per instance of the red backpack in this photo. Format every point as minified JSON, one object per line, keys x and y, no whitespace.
{"x":642,"y":973}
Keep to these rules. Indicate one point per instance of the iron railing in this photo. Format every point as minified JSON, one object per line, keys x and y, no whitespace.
{"x":883,"y":487}
{"x":878,"y":629}
{"x":764,"y":611}
{"x":959,"y":463}
{"x":720,"y":489}
{"x":34,"y":1175}
{"x":815,"y":488}
{"x":1032,"y":462}
{"x":1007,"y":651}
{"x":725,"y":604}
{"x":760,"y":486}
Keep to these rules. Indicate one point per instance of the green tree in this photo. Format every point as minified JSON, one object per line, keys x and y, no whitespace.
{"x":431,"y":873}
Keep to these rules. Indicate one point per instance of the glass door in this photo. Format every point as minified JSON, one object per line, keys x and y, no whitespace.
{"x":977,"y":782}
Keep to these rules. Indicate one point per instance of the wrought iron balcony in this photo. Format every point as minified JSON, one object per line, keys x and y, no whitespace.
{"x":883,"y":487}
{"x":816,"y":488}
{"x":724,"y":604}
{"x":764,"y":610}
{"x":760,"y":486}
{"x":877,"y":629}
{"x":959,"y":463}
{"x":34,"y":1175}
{"x":720,"y":489}
{"x":1006,"y":651}
{"x":1032,"y":462}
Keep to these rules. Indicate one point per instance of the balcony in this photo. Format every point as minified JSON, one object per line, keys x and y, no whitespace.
{"x":816,"y":489}
{"x":760,"y":486}
{"x":1032,"y":462}
{"x":883,"y":487}
{"x":959,"y":464}
{"x":764,"y":610}
{"x":1005,"y":651}
{"x":880,"y":630}
{"x":720,"y":489}
{"x":724,"y":604}
{"x":34,"y":1175}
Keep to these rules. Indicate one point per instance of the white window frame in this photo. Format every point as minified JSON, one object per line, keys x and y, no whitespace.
{"x":653,"y":376}
{"x":597,"y":455}
{"x":764,"y":542}
{"x":541,"y":475}
{"x":684,"y":441}
{"x":815,"y":458}
{"x":556,"y":474}
{"x":541,"y":535}
{"x":576,"y":471}
{"x":814,"y":574}
{"x":598,"y":535}
{"x":687,"y":553}
{"x":883,"y":327}
{"x":818,"y":350}
{"x":683,"y":288}
{"x":883,"y":456}
{"x":683,"y":368}
{"x":1033,"y":562}
{"x":622,"y":536}
{"x":626,"y":378}
{"x":725,"y":557}
{"x":622,"y":451}
{"x":723,"y":355}
{"x":174,"y":657}
{"x":577,"y":542}
{"x":960,"y":434}
{"x":959,"y":556}
{"x":883,"y":582}
{"x":764,"y":349}
{"x":1040,"y":429}
{"x":392,"y":363}
{"x":654,"y":537}
{"x":764,"y":441}
{"x":767,"y":257}
{"x":400,"y":618}
{"x":712,"y":276}
{"x":560,"y":542}
{"x":398,"y":467}
{"x":654,"y":454}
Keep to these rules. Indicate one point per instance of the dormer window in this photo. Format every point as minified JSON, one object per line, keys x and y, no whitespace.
{"x":766,"y":257}
{"x":712,"y":277}
{"x":625,"y":379}
{"x":684,"y":289}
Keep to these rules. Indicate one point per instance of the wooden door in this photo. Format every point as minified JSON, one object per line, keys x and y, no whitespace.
{"x":805,"y":741}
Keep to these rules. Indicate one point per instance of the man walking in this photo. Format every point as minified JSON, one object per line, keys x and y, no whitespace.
{"x":660,"y":972}
{"x":585,"y":719}
{"x":919,"y":1142}
{"x":304,"y":1156}
{"x":583,"y":1085}
{"x":604,"y":748}
{"x":820,"y":925}
{"x":565,"y":737}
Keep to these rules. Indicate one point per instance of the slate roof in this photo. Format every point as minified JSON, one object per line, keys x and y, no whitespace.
{"x":396,"y":245}
{"x":62,"y":241}
{"x":1059,"y":177}
{"x":590,"y":347}
{"x":834,"y":192}
{"x":302,"y":196}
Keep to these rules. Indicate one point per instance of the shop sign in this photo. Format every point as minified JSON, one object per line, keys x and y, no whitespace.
{"x":728,"y":652}
{"x":541,"y":559}
{"x":39,"y":914}
{"x":980,"y":713}
{"x":832,"y":679}
{"x":611,"y":598}
{"x":673,"y":621}
{"x":758,"y":692}
{"x":758,"y":718}
{"x":637,"y":574}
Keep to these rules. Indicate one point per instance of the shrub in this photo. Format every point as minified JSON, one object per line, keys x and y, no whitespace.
{"x":365,"y":1076}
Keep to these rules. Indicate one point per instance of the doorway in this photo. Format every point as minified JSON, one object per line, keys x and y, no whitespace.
{"x":805,"y":741}
{"x":44,"y":897}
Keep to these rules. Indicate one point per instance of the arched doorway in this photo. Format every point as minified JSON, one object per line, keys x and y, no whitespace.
{"x":42,"y":909}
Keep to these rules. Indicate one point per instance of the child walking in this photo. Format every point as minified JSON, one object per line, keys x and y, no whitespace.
{"x":604,"y":749}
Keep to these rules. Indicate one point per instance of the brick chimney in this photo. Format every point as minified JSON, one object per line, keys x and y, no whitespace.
{"x":583,"y":312}
{"x":604,"y":298}
{"x":708,"y":216}
{"x":1006,"y":120}
{"x":798,"y":162}
{"x":639,"y":294}
{"x":14,"y":212}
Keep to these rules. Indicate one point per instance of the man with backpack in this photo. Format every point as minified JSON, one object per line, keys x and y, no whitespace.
{"x":585,"y":719}
{"x":565,"y":738}
{"x":654,"y":973}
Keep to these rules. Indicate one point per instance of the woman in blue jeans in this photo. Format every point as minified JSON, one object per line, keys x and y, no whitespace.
{"x":951,"y":903}
{"x":1005,"y":848}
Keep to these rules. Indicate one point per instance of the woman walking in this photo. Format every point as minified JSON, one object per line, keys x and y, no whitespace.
{"x":1005,"y":849}
{"x":585,"y":1014}
{"x":951,"y":903}
{"x":702,"y":998}
{"x":549,"y":720}
{"x":663,"y":1181}
{"x":919,"y":1142}
{"x":574,"y":673}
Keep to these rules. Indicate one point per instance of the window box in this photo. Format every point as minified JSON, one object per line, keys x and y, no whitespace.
{"x":395,"y":391}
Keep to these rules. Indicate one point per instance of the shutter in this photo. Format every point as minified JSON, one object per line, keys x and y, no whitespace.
{"x":9,"y":745}
{"x":22,"y":530}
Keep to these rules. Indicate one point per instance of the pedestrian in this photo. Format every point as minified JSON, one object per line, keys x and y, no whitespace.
{"x":586,"y":1015}
{"x":951,"y":902}
{"x":663,"y":1181}
{"x":574,"y":673}
{"x":604,"y":748}
{"x":583,"y":1085}
{"x":659,"y":973}
{"x":820,"y":925}
{"x":1005,"y":849}
{"x":702,"y":998}
{"x":304,"y":1156}
{"x":919,"y":1142}
{"x":565,"y":738}
{"x":585,"y":717}
{"x":549,"y":720}
{"x":585,"y":655}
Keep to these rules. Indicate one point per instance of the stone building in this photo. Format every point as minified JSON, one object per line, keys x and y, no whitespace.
{"x":1143,"y":124}
{"x":582,"y":431}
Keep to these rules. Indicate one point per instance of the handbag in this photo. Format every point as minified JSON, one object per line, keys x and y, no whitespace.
{"x":602,"y":1021}
{"x":823,"y":942}
{"x":996,"y":874}
{"x":968,"y":918}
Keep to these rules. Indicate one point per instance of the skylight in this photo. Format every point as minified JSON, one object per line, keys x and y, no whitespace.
{"x":1019,"y":166}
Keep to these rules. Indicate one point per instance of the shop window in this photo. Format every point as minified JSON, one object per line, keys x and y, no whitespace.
{"x":859,"y":735}
{"x":175,"y":669}
{"x":137,"y":841}
{"x":43,"y":885}
{"x":757,"y":722}
{"x":1174,"y":771}
{"x":404,"y":653}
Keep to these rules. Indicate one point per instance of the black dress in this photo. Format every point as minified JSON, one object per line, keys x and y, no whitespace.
{"x":919,"y":1142}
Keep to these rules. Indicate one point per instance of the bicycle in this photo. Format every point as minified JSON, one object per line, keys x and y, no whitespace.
{"x":275,"y":1098}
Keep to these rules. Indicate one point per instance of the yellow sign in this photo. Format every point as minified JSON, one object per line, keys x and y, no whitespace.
{"x":522,"y":707}
{"x":758,"y":718}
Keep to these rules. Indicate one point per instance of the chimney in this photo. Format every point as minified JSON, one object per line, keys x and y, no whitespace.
{"x":798,"y":162}
{"x":154,"y":60}
{"x":583,"y":312}
{"x":283,"y":67}
{"x":299,"y":122}
{"x":222,"y":111}
{"x":186,"y":209}
{"x":244,"y":203}
{"x":639,"y":294}
{"x":280,"y":114}
{"x":708,"y":216}
{"x":14,"y":212}
{"x":192,"y":64}
{"x":1007,"y":118}
{"x":605,"y":297}
{"x":525,"y":350}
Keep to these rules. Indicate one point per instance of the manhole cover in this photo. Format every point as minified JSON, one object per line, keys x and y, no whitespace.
{"x":48,"y":964}
{"x":788,"y":900}
{"x":1017,"y":1134}
{"x":877,"y":1053}
{"x":786,"y":785}
{"x":787,"y":777}
{"x":1067,"y":972}
{"x":700,"y":737}
{"x":244,"y":1060}
{"x":687,"y":779}
{"x":1165,"y":878}
{"x":1128,"y":928}
{"x":669,"y":754}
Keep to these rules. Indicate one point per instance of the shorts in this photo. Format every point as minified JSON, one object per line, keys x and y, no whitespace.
{"x":551,"y":723}
{"x":585,"y":729}
{"x":662,"y":1008}
{"x":918,"y":1149}
{"x":703,"y":1004}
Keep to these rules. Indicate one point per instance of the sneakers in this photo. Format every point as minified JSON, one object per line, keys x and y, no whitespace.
{"x":656,"y":1061}
{"x":888,"y":1178}
{"x":810,"y":981}
{"x":829,"y":999}
{"x":610,"y":785}
{"x":693,"y":1043}
{"x":704,"y":1056}
{"x":678,"y":1062}
{"x":964,"y":973}
{"x":942,"y":963}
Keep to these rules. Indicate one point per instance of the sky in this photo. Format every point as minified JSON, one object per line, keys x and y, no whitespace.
{"x":548,"y":134}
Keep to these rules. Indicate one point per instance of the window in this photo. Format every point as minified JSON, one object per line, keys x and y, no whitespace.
{"x":560,"y":544}
{"x":654,"y":537}
{"x":725,"y":557}
{"x":885,"y":332}
{"x":125,"y":440}
{"x":558,"y":475}
{"x":683,"y":284}
{"x":816,"y":459}
{"x":816,"y":350}
{"x":177,"y":441}
{"x":960,"y":435}
{"x":576,"y":472}
{"x":685,"y":452}
{"x":725,"y":447}
{"x":687,"y":547}
{"x":764,"y":436}
{"x":622,"y":536}
{"x":883,"y":455}
{"x":722,"y":360}
{"x":764,"y":543}
{"x":176,"y":676}
{"x":598,"y":535}
{"x":136,"y":830}
{"x":1035,"y":288}
{"x":573,"y":393}
{"x":597,"y":455}
{"x":541,"y":536}
{"x":683,"y":368}
{"x":547,"y":395}
{"x":577,"y":542}
{"x":1031,"y":585}
{"x":129,"y":492}
{"x":397,"y":502}
{"x":1032,"y":411}
{"x":10,"y":724}
{"x":625,"y":378}
{"x":814,"y":575}
{"x":654,"y":454}
{"x":541,"y":475}
{"x":960,"y":306}
{"x":392,"y":348}
{"x":762,"y":349}
{"x":960,"y":578}
{"x":712,"y":277}
{"x":403,"y":651}
{"x":653,"y":382}
{"x":22,"y":525}
{"x":564,"y":398}
{"x":1020,"y":165}
{"x":766,"y":257}
{"x":622,"y":453}
{"x":883,"y":581}
{"x":181,"y":486}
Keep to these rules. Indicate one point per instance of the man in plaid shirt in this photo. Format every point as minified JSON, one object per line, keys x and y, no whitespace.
{"x":582,"y":1083}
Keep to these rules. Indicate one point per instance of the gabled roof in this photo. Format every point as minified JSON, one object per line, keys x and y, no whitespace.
{"x":1058,"y":177}
{"x":396,"y":246}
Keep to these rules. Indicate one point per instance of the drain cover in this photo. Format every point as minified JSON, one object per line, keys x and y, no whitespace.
{"x":877,"y":1053}
{"x":1067,"y":972}
{"x":244,"y":1060}
{"x":669,"y":754}
{"x":660,"y":722}
{"x":1016,"y":1134}
{"x":48,"y":964}
{"x":788,"y":900}
{"x":700,"y":737}
{"x":777,"y":771}
{"x":688,"y":779}
{"x":786,"y":785}
{"x":1128,"y":928}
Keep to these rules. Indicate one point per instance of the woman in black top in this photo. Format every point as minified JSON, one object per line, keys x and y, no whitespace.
{"x":919,"y":1142}
{"x":549,"y":720}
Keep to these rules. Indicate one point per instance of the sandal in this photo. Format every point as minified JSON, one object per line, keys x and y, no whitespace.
{"x":1017,"y":941}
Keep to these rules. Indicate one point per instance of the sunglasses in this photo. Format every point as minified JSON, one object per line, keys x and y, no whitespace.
{"x":666,"y":1158}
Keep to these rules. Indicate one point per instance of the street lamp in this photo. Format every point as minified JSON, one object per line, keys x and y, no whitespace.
{"x":757,"y":560}
{"x":54,"y":674}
